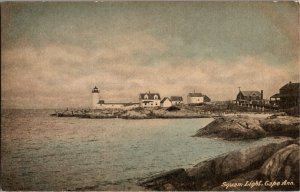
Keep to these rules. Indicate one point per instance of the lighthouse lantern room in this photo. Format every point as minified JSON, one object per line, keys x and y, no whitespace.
{"x":95,"y":95}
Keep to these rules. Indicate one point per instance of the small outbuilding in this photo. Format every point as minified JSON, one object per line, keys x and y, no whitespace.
{"x":166,"y":102}
{"x":197,"y":98}
{"x":176,"y":100}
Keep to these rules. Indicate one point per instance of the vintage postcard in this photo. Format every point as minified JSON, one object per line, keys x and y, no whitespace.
{"x":156,"y":95}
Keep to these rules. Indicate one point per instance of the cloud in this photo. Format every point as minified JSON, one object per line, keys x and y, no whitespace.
{"x":63,"y":75}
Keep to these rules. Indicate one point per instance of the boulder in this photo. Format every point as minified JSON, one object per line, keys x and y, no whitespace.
{"x":213,"y":172}
{"x":282,"y":125}
{"x":283,"y":166}
{"x":297,"y":140}
{"x":233,"y":128}
{"x":66,"y":113}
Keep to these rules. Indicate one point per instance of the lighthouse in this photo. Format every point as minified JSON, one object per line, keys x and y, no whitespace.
{"x":95,"y":99}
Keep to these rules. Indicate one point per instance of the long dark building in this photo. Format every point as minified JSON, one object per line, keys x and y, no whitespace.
{"x":287,"y":98}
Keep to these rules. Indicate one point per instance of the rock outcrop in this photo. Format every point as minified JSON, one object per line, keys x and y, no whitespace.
{"x":233,"y":128}
{"x":282,"y":125}
{"x":135,"y":113}
{"x":243,"y":127}
{"x":267,"y":163}
{"x":283,"y":165}
{"x":223,"y":168}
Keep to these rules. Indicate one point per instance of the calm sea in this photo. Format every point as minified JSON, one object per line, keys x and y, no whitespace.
{"x":40,"y":152}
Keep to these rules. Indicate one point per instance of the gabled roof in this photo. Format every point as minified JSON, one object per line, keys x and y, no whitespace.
{"x":277,"y":95}
{"x":150,"y":96}
{"x":250,"y":93}
{"x":164,"y":99}
{"x":280,"y":95}
{"x":195,"y":95}
{"x":291,"y":86}
{"x":206,"y":98}
{"x":176,"y":98}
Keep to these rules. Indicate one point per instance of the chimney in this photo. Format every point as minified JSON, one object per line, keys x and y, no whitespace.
{"x":262,"y":94}
{"x":290,"y":82}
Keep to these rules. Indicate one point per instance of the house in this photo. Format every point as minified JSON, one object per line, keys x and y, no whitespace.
{"x":149,"y":99}
{"x":166,"y":102}
{"x":249,"y":97}
{"x":197,"y":98}
{"x":176,"y":100}
{"x":288,"y":97}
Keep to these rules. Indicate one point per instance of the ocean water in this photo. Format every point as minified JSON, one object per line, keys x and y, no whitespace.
{"x":40,"y":152}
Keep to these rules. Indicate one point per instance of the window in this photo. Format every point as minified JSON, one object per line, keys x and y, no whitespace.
{"x":155,"y":97}
{"x":146,"y":97}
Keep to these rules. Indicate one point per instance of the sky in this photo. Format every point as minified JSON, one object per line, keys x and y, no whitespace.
{"x":54,"y":53}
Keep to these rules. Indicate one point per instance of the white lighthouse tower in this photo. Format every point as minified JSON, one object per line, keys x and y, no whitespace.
{"x":95,"y":99}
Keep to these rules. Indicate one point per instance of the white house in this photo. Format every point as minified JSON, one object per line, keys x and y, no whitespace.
{"x":166,"y":102}
{"x":176,"y":100}
{"x":149,"y":99}
{"x":197,"y":98}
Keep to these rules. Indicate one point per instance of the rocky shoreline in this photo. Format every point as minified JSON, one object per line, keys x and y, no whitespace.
{"x":181,"y":111}
{"x":138,"y":113}
{"x":273,"y":166}
{"x":248,"y":169}
{"x":244,"y":127}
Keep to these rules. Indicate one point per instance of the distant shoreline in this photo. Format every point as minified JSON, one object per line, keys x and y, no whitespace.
{"x":175,"y":112}
{"x":146,"y":113}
